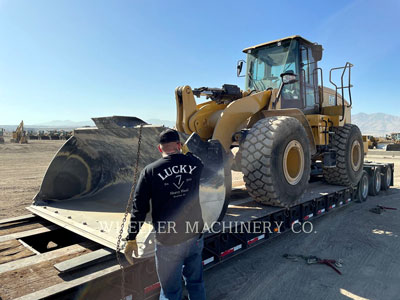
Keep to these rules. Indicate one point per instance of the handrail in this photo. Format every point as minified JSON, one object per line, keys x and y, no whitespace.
{"x":321,"y":98}
{"x":342,"y":87}
{"x":303,"y":73}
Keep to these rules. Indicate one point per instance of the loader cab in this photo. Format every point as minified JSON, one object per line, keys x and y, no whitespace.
{"x":266,"y":62}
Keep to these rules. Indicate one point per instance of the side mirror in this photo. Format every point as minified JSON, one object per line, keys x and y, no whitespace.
{"x":239,"y":67}
{"x":288,"y":78}
{"x":317,"y":52}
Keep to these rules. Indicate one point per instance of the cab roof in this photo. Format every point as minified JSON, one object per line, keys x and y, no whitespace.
{"x":275,"y":41}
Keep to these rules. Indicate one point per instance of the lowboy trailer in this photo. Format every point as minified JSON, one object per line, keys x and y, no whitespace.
{"x":41,"y":260}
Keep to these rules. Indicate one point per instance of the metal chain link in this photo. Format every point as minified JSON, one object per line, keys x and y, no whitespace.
{"x":127,"y":210}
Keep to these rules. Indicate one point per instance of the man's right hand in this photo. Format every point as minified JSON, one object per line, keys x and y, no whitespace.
{"x":131,"y":247}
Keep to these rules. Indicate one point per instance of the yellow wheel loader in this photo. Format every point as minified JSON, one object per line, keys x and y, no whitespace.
{"x":282,"y":125}
{"x":371,"y":141}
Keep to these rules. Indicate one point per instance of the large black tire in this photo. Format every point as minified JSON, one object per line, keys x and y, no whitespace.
{"x":276,"y":161}
{"x":363,"y":187}
{"x":387,"y":178}
{"x":348,"y":143}
{"x":375,"y":182}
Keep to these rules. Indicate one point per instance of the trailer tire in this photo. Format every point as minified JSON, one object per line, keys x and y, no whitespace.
{"x":375,"y":182}
{"x":276,"y":161}
{"x":347,"y":141}
{"x":387,"y":178}
{"x":363,"y":187}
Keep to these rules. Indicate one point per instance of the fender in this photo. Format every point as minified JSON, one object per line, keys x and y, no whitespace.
{"x":236,"y":114}
{"x":290,"y":112}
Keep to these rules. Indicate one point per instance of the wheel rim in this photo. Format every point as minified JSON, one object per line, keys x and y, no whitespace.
{"x":377,"y":181}
{"x":388,"y":176}
{"x":364,"y":187}
{"x":293,"y":162}
{"x":355,"y":155}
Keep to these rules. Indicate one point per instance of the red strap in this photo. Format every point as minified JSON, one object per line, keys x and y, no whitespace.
{"x":330,"y":263}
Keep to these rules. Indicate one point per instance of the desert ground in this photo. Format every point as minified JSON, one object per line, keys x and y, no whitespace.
{"x":368,"y":243}
{"x":22,"y":167}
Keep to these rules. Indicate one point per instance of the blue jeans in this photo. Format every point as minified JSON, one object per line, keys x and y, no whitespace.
{"x":176,"y":260}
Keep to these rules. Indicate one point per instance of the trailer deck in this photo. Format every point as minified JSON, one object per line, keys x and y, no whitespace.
{"x":244,"y":213}
{"x":41,"y":260}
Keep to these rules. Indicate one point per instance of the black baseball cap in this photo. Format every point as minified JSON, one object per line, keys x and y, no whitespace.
{"x":168,"y":136}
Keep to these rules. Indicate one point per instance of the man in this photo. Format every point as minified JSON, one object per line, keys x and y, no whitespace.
{"x":172,"y":185}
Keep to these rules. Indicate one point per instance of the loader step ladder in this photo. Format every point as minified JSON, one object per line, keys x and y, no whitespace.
{"x":342,"y":87}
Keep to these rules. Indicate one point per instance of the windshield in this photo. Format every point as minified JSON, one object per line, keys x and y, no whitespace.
{"x":266,"y":64}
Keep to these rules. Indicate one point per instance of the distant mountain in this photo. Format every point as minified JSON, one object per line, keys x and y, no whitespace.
{"x":52,"y":125}
{"x":73,"y":124}
{"x":69,"y":125}
{"x":9,"y":128}
{"x":377,"y":124}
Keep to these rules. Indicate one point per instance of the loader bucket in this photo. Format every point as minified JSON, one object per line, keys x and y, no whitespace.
{"x":86,"y":186}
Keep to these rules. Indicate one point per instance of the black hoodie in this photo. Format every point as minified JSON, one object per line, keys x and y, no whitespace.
{"x":172,"y":185}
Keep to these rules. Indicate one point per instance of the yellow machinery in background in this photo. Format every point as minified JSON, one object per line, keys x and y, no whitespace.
{"x":372,"y":142}
{"x":395,"y":142}
{"x":19,"y":135}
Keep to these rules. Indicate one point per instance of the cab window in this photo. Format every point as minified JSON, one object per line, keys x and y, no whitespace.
{"x":308,"y":77}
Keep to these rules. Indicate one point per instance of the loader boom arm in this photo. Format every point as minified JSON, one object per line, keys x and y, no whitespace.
{"x":218,"y":119}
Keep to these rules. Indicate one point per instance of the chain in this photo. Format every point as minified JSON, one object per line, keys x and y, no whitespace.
{"x":127,"y":210}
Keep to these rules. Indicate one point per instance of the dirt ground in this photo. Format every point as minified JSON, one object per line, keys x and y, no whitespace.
{"x":22,"y":167}
{"x":368,"y":243}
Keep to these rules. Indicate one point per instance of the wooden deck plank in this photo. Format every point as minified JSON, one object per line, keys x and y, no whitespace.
{"x":59,"y":287}
{"x":19,"y":218}
{"x":22,"y":225}
{"x":28,"y":261}
{"x":18,"y":235}
{"x":85,"y":260}
{"x":19,"y":228}
{"x":13,"y":250}
{"x":32,"y":278}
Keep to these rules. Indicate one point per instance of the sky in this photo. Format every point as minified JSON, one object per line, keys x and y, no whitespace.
{"x":73,"y":60}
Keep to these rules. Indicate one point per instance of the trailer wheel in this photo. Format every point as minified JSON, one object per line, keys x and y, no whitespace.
{"x":276,"y":161}
{"x":375,"y":182}
{"x":363,"y":186}
{"x":387,"y":179}
{"x":347,"y":141}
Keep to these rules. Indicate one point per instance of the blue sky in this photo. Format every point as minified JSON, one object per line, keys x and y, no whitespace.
{"x":72,"y":60}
